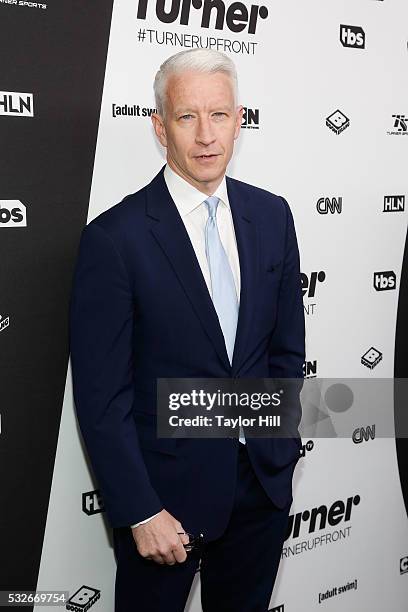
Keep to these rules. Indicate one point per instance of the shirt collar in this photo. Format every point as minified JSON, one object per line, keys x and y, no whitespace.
{"x":186,"y":197}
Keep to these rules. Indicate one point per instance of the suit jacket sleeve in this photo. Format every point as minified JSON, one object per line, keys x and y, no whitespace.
{"x":101,"y":330}
{"x":287,"y":346}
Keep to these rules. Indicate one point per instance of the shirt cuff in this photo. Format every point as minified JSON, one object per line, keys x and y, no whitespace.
{"x":145,"y":520}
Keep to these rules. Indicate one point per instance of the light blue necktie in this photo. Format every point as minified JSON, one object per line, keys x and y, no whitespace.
{"x":224,"y":293}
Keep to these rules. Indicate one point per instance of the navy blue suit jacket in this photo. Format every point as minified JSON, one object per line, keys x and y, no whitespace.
{"x":140,"y":309}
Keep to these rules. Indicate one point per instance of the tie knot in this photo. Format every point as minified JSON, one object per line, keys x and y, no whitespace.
{"x":212,"y":203}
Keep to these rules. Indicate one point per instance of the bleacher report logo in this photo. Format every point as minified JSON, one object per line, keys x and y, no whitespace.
{"x":92,"y":502}
{"x":337,"y":122}
{"x":83,"y":599}
{"x":12,"y":214}
{"x":16,"y":104}
{"x":4,"y":322}
{"x":237,"y":16}
{"x":385,"y":281}
{"x":404,"y":565}
{"x":352,"y":36}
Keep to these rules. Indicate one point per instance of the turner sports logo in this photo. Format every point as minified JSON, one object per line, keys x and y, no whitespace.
{"x":12,"y":214}
{"x":318,"y":518}
{"x":16,"y":104}
{"x":237,"y":17}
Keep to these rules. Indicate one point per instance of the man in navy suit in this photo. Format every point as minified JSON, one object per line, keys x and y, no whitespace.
{"x":196,"y":275}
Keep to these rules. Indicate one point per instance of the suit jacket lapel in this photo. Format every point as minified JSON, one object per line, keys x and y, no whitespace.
{"x":173,"y":238}
{"x":248,"y":251}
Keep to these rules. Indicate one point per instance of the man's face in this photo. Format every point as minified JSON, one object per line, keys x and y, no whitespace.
{"x":199,"y":128}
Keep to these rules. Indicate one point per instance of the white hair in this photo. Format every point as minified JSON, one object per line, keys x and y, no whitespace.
{"x":201,"y":60}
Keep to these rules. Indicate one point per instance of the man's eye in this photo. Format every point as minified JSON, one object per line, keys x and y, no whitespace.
{"x":219,"y":114}
{"x":186,"y":116}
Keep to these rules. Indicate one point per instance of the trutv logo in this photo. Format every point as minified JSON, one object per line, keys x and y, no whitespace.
{"x":16,"y":104}
{"x":237,"y":17}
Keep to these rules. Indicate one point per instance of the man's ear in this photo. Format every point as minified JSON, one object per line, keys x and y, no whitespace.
{"x":238,"y":121}
{"x":159,"y":128}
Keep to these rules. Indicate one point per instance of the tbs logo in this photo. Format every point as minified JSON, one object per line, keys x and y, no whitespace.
{"x":12,"y":214}
{"x":352,"y":36}
{"x":384,"y":281}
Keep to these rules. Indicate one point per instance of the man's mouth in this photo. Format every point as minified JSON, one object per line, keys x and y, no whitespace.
{"x":206,"y":155}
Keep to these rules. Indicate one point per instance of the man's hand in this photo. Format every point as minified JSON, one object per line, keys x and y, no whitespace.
{"x":158,"y":539}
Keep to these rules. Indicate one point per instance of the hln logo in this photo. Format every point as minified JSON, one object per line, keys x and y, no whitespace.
{"x":250,"y":118}
{"x":352,"y":36}
{"x":395,"y":203}
{"x":384,"y":281}
{"x":16,"y":104}
{"x":362,"y":434}
{"x":326,"y":205}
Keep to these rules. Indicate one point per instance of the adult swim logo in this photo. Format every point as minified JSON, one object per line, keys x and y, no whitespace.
{"x":14,"y":104}
{"x":400,"y":127}
{"x":352,"y":36}
{"x":132,"y":110}
{"x":12,"y":214}
{"x":237,"y":17}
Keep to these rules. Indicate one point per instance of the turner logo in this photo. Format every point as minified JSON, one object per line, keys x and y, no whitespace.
{"x":352,"y":36}
{"x":384,"y":281}
{"x":237,"y":17}
{"x":318,"y":518}
{"x":12,"y":214}
{"x":16,"y":104}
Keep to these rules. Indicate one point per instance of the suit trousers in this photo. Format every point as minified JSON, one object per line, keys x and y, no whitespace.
{"x":237,"y":570}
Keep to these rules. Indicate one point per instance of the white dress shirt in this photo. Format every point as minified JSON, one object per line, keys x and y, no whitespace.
{"x":194,"y":214}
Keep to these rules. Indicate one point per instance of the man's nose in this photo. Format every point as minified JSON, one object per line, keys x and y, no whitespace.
{"x":204,"y":133}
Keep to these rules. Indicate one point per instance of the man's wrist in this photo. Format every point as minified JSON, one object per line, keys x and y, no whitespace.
{"x":145,"y":520}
